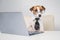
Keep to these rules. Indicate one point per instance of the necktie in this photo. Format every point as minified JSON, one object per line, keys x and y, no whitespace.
{"x":37,"y":24}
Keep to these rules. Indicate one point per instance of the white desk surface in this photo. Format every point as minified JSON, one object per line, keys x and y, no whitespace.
{"x":47,"y":35}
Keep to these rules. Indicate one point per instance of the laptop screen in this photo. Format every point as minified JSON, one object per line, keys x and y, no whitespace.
{"x":12,"y":23}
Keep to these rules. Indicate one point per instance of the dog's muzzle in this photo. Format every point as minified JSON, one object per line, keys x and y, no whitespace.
{"x":39,"y":15}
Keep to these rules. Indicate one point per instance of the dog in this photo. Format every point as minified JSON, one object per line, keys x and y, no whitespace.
{"x":36,"y":24}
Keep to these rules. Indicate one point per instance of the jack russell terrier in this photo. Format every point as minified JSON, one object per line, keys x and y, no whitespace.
{"x":36,"y":25}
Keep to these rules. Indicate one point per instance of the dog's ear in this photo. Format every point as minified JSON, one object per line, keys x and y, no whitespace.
{"x":31,"y":8}
{"x":43,"y":8}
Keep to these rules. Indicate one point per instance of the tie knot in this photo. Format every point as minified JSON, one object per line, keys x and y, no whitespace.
{"x":36,"y":19}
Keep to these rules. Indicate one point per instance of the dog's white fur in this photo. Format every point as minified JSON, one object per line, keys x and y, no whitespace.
{"x":29,"y":22}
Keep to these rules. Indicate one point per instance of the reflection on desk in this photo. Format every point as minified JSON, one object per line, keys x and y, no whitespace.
{"x":47,"y":35}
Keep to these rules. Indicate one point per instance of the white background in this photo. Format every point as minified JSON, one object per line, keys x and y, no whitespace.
{"x":52,"y":7}
{"x":10,"y":5}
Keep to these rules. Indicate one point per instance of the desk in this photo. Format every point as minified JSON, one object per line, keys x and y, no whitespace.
{"x":47,"y":35}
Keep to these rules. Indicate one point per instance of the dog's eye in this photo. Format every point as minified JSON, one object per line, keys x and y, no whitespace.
{"x":35,"y":10}
{"x":41,"y":10}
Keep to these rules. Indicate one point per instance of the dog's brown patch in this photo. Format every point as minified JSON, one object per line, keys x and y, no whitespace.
{"x":34,"y":9}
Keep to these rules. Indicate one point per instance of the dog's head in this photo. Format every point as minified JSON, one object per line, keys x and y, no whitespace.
{"x":37,"y":9}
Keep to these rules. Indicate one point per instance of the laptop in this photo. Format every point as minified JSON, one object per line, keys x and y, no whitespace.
{"x":13,"y":23}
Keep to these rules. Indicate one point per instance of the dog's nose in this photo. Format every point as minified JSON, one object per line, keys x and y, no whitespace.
{"x":39,"y":15}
